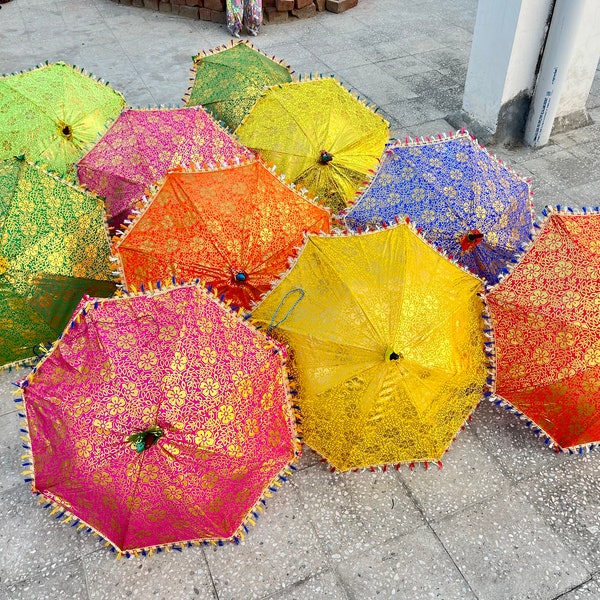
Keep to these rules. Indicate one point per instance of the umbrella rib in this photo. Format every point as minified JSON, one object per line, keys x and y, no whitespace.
{"x":300,"y":127}
{"x":325,"y":258}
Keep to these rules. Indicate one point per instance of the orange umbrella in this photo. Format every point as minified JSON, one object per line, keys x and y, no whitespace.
{"x":546,"y":317}
{"x":235,"y":228}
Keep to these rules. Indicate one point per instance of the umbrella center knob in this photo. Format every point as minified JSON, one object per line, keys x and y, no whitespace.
{"x":325,"y":157}
{"x":392,"y":355}
{"x":142,"y":440}
{"x":241,"y":277}
{"x":470,"y":240}
{"x":65,"y":130}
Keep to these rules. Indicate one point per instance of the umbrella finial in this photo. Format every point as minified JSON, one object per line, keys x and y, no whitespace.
{"x":325,"y":157}
{"x":143,"y":440}
{"x":470,"y":240}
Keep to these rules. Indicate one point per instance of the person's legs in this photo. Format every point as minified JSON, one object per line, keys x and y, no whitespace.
{"x":253,"y":16}
{"x":235,"y":12}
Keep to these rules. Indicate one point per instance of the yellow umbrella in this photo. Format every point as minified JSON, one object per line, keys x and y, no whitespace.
{"x":319,"y":135}
{"x":387,"y":345}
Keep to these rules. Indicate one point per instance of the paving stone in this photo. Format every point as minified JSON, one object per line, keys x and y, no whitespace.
{"x":352,"y":512}
{"x":469,"y":475}
{"x":413,"y":566}
{"x":590,"y":590}
{"x":324,"y":586}
{"x":279,"y":551}
{"x":67,"y":583}
{"x":568,"y":498}
{"x":10,"y":451}
{"x":7,"y":389}
{"x":163,"y":576}
{"x":505,"y":550}
{"x":513,"y":445}
{"x":31,"y":540}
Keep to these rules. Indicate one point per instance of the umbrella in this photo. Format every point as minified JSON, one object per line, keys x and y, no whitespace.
{"x":546,"y":318}
{"x":387,"y":345}
{"x":228,"y":80}
{"x":319,"y":135}
{"x":54,"y":248}
{"x":464,"y":200}
{"x":234,"y":227}
{"x":159,"y":420}
{"x":52,"y":113}
{"x":142,"y":144}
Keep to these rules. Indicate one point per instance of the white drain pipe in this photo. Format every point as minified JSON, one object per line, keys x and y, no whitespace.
{"x":558,"y":52}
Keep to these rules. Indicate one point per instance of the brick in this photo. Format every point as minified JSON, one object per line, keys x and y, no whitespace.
{"x":177,"y":2}
{"x":205,"y":14}
{"x":284,"y":5}
{"x":138,"y":3}
{"x":302,"y":3}
{"x":126,"y":2}
{"x":214,"y":5}
{"x":191,"y":12}
{"x":267,"y":3}
{"x":193,"y":2}
{"x":164,"y":7}
{"x":174,"y":8}
{"x":338,"y":6}
{"x":272,"y":15}
{"x":319,"y":4}
{"x":153,"y":4}
{"x":217,"y":16}
{"x":306,"y":12}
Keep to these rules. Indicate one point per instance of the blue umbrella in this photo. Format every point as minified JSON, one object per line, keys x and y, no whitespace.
{"x":464,"y":200}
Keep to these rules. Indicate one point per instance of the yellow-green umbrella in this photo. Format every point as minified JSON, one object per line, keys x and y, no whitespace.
{"x":53,"y":113}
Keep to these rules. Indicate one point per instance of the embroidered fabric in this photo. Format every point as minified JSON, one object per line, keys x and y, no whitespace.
{"x":53,"y":248}
{"x":386,"y":345}
{"x":546,"y":317}
{"x":205,"y":394}
{"x":53,"y":113}
{"x":296,"y":125}
{"x":452,"y":189}
{"x":234,"y":228}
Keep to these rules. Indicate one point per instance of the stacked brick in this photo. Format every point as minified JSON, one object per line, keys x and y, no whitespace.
{"x":274,"y":11}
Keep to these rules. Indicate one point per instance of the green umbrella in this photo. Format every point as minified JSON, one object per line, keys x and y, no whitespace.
{"x":53,"y":113}
{"x":228,"y":80}
{"x":54,"y":247}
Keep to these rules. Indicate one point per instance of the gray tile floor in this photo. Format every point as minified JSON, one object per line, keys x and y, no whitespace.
{"x":505,"y":517}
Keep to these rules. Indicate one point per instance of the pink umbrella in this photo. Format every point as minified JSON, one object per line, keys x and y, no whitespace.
{"x":140,"y":147}
{"x":159,"y":419}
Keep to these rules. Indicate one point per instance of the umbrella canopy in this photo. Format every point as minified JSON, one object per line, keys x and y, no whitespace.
{"x":465,"y":201}
{"x":142,"y":144}
{"x":228,"y":80}
{"x":52,"y":113}
{"x":546,"y":317}
{"x":387,"y":345}
{"x":159,"y":420}
{"x":235,"y":228}
{"x":319,"y":135}
{"x":53,"y":248}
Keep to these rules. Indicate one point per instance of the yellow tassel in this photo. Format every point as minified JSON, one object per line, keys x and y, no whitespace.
{"x":251,"y":521}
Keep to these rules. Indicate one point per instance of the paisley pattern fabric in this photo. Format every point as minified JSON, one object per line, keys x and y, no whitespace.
{"x":234,"y":228}
{"x":244,"y":12}
{"x":142,"y":144}
{"x":228,"y":80}
{"x":319,"y":135}
{"x":386,"y":341}
{"x":546,"y":317}
{"x":451,"y":188}
{"x":53,"y":113}
{"x":53,"y":248}
{"x":211,"y":388}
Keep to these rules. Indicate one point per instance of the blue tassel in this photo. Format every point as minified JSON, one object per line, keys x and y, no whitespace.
{"x":28,"y":480}
{"x":236,"y":540}
{"x":246,"y":317}
{"x":177,"y":548}
{"x":209,"y":287}
{"x":220,"y":542}
{"x":158,"y":285}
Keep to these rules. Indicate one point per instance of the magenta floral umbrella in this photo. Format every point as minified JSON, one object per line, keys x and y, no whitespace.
{"x":140,"y":147}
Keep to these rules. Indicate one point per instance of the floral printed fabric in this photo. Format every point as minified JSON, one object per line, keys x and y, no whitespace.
{"x":244,"y":12}
{"x":546,"y":317}
{"x":179,"y":361}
